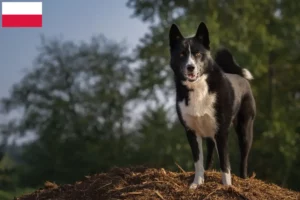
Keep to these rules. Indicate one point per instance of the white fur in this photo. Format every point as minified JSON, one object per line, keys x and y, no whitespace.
{"x":191,"y":60}
{"x":226,"y":178}
{"x":199,"y":167}
{"x":247,"y":74}
{"x":199,"y":115}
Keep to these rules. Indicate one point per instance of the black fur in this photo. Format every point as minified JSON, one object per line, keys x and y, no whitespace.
{"x":234,"y":100}
{"x":226,"y":61}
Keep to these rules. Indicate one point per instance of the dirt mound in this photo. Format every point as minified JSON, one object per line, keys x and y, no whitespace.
{"x":144,"y":183}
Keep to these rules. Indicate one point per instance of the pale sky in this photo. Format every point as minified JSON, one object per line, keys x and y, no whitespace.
{"x":72,"y":19}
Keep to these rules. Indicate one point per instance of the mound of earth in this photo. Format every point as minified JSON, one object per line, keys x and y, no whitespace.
{"x":147,"y":183}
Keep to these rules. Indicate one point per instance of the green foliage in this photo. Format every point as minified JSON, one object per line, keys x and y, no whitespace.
{"x":75,"y":100}
{"x":89,"y":110}
{"x":160,"y":142}
{"x":8,"y":175}
{"x":8,"y":195}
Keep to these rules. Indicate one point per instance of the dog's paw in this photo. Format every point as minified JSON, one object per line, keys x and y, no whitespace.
{"x":195,"y":184}
{"x":226,"y":179}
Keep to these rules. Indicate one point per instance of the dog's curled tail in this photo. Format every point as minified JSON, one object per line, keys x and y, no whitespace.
{"x":226,"y":61}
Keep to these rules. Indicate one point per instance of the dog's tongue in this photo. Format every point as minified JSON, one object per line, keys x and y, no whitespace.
{"x":191,"y":75}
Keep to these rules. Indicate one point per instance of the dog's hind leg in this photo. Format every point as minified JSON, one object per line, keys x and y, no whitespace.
{"x":210,"y":145}
{"x":244,"y":130}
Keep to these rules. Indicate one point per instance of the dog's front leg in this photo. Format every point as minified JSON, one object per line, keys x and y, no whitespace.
{"x":196,"y":146}
{"x":222,"y":146}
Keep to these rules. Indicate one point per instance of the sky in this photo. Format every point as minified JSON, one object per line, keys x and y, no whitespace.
{"x":72,"y":20}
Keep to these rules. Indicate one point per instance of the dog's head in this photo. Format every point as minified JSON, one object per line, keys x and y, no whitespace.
{"x":189,"y":56}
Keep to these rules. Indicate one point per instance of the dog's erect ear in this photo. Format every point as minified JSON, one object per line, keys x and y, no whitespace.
{"x":202,"y":35}
{"x":174,"y":35}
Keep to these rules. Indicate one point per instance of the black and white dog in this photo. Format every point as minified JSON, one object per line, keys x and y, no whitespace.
{"x":211,"y":94}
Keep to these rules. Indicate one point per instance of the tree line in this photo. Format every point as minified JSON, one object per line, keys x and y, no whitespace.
{"x":93,"y":105}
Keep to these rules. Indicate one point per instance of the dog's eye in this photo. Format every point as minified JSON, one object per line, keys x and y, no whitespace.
{"x":182,"y":54}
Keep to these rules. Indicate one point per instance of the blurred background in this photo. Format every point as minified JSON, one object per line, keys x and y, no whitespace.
{"x":92,"y":89}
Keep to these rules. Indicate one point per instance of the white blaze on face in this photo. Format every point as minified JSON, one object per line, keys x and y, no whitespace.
{"x":198,"y":65}
{"x":191,"y":60}
{"x":192,"y":74}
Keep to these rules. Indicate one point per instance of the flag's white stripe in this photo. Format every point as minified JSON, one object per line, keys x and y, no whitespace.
{"x":22,"y":8}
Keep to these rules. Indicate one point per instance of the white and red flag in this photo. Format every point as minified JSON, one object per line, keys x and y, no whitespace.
{"x":22,"y":14}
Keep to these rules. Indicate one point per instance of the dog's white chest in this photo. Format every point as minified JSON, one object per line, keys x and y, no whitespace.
{"x":199,"y":114}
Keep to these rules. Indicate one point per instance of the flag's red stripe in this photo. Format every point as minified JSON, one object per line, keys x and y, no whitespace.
{"x":22,"y":20}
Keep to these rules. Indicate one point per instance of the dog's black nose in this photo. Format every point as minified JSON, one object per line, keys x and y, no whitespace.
{"x":190,"y":68}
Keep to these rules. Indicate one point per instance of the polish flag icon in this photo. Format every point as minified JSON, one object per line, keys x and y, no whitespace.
{"x":22,"y":14}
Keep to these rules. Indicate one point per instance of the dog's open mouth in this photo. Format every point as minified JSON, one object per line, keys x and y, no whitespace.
{"x":191,"y":76}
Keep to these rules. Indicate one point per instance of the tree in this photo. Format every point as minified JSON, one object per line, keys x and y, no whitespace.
{"x":74,"y":100}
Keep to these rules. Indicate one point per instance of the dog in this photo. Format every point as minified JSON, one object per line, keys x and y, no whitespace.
{"x":211,"y":95}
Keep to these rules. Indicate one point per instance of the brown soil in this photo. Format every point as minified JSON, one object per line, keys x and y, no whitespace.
{"x":147,"y":183}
